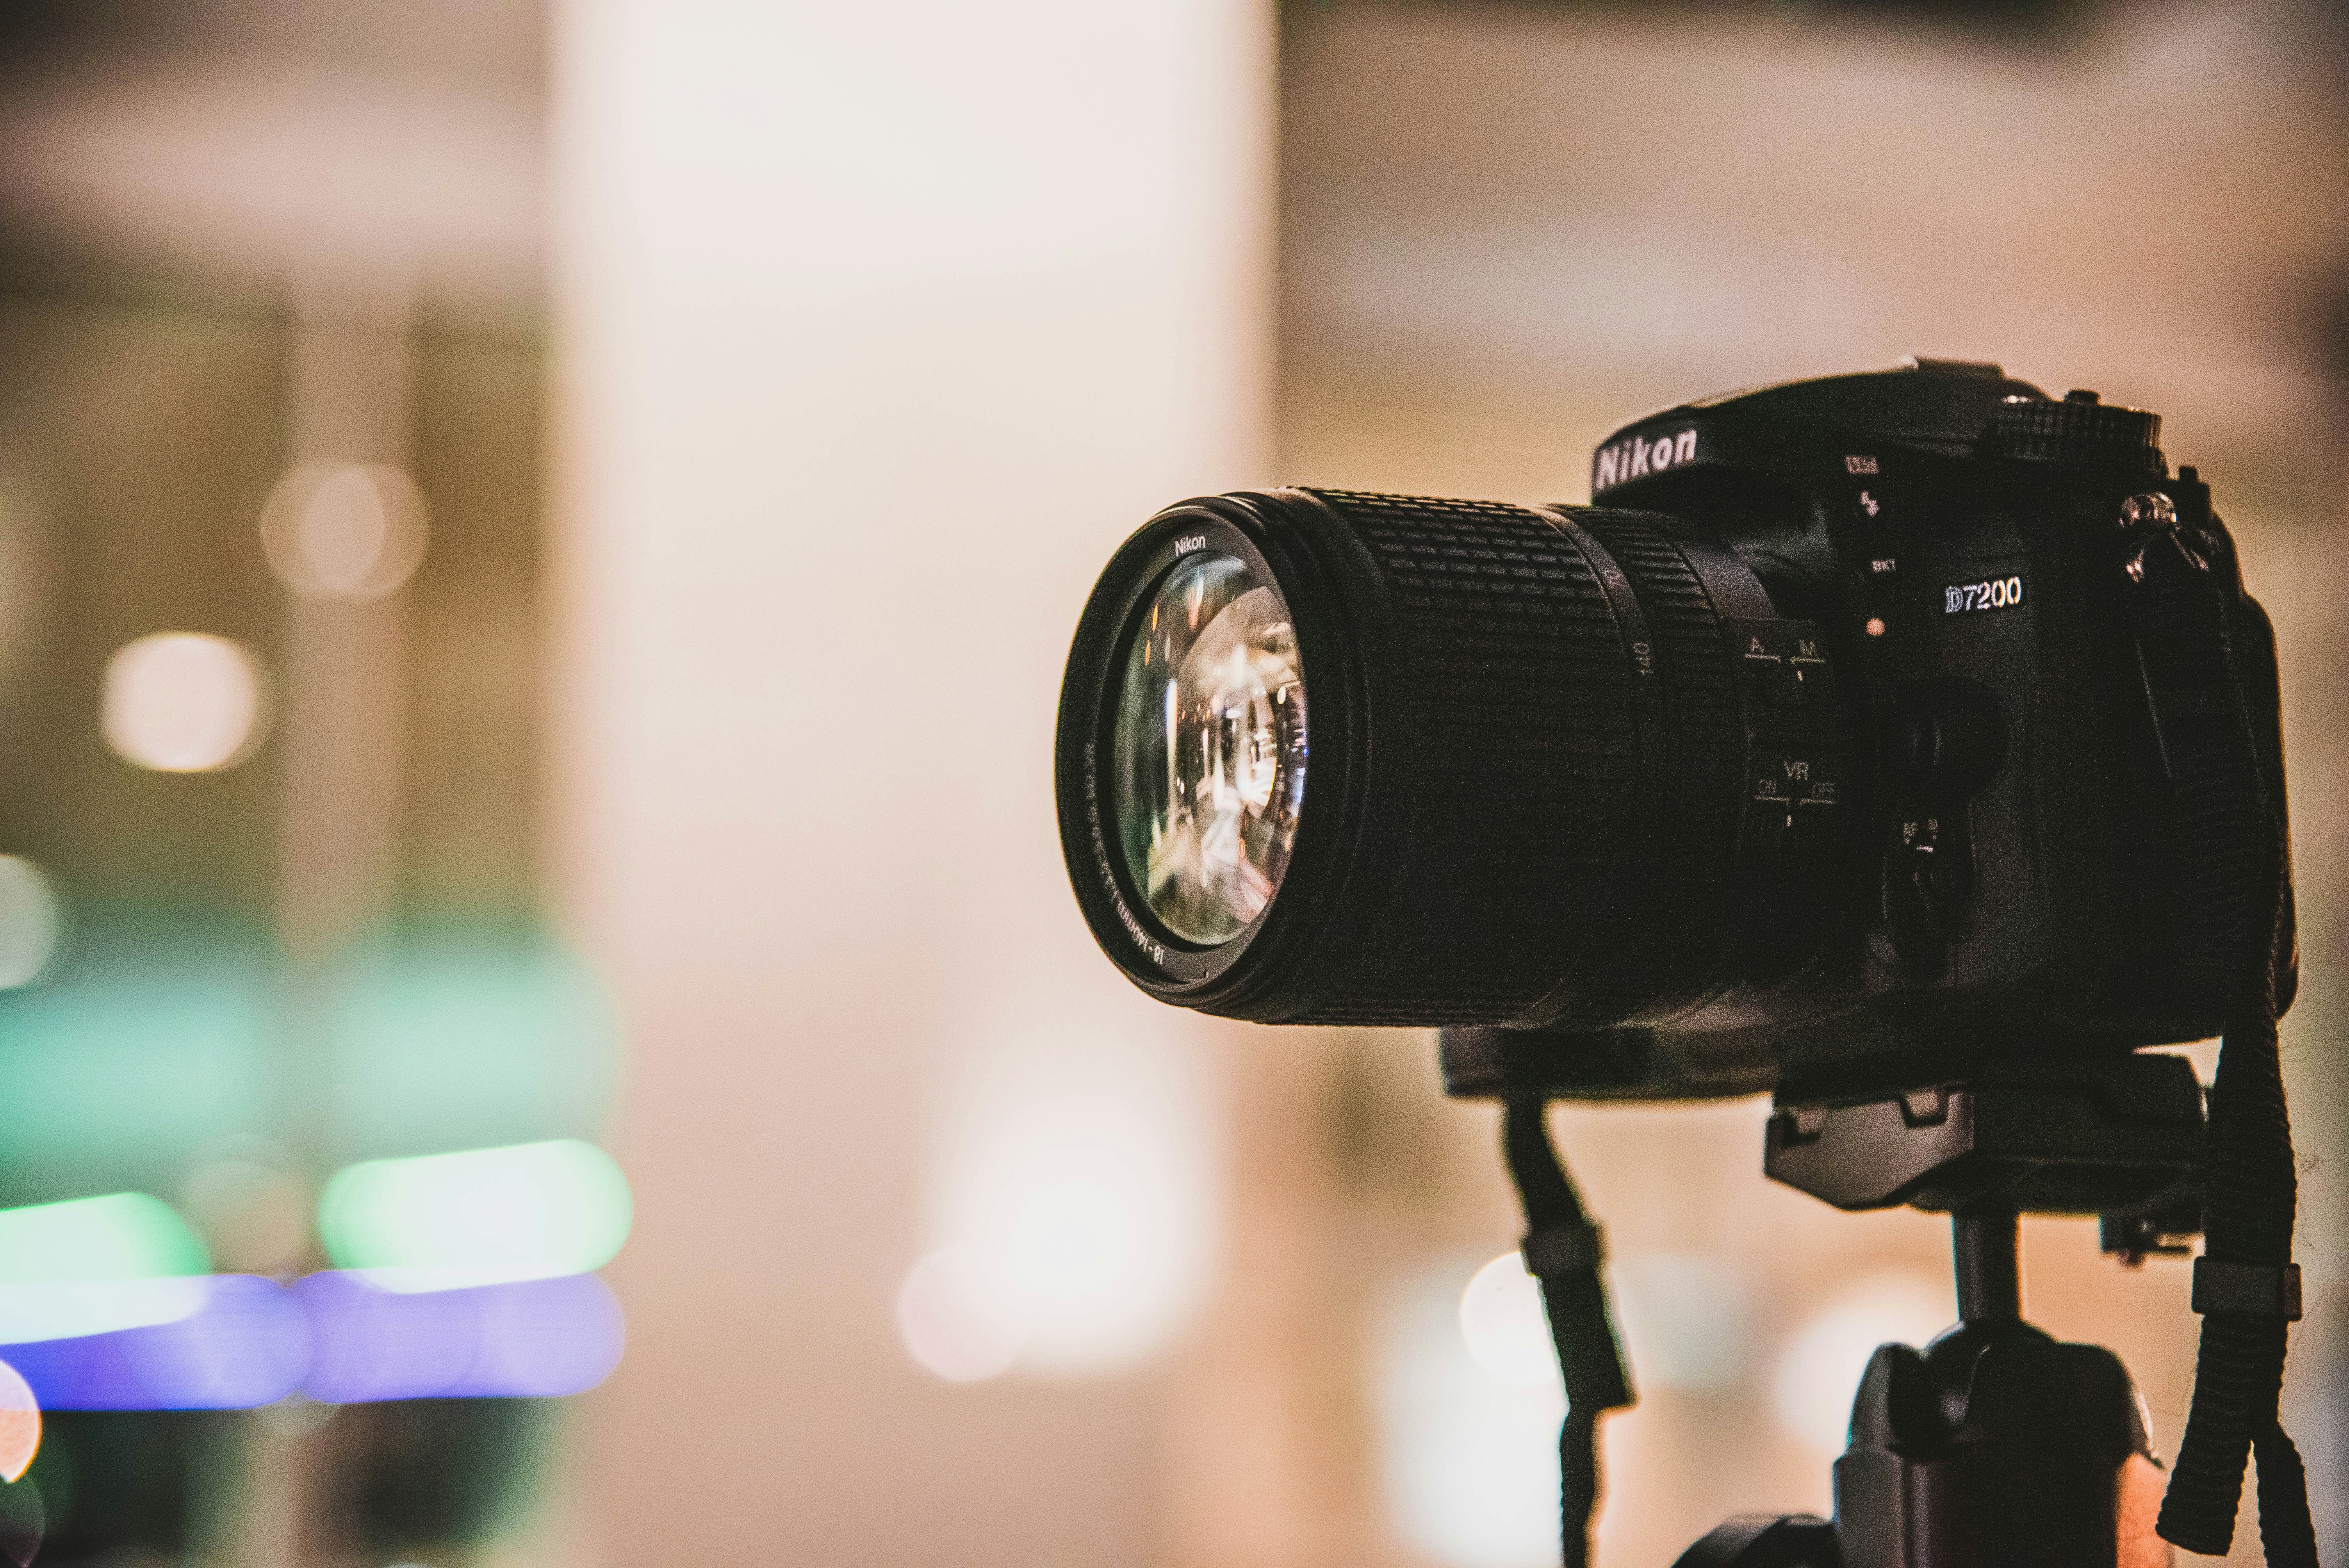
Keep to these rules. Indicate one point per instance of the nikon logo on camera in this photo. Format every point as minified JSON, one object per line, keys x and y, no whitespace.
{"x":1635,"y":456}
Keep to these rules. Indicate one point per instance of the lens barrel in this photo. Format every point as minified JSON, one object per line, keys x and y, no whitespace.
{"x":1533,"y":762}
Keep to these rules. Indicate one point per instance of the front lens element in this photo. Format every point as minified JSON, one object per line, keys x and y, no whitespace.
{"x":1209,"y":750}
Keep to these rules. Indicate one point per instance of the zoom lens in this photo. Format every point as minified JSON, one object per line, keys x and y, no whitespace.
{"x":1209,"y":748}
{"x":1537,"y":749}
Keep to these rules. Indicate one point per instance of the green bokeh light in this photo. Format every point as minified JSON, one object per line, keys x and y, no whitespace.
{"x":148,"y":1044}
{"x":123,"y":1235}
{"x":457,"y":1035}
{"x":531,"y":1210}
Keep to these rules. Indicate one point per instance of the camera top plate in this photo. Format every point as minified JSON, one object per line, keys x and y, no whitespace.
{"x":1937,"y":406}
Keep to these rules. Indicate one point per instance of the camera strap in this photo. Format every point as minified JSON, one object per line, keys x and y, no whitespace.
{"x":2233,"y":858}
{"x":1564,"y":1251}
{"x":2247,"y":1291}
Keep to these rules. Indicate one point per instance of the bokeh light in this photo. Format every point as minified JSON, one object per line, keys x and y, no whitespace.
{"x":1080,"y":1195}
{"x":1071,"y":1238}
{"x":344,"y":530}
{"x":954,"y":1319}
{"x":144,"y":1050}
{"x":1505,"y":1324}
{"x":71,"y":1309}
{"x":1470,"y":1458}
{"x":532,"y":1339}
{"x":29,"y":922}
{"x":1818,"y":1372}
{"x":1686,"y":1320}
{"x":20,"y":1424}
{"x":181,"y":702}
{"x":244,"y":1342}
{"x":120,"y":1236}
{"x":441,"y":1220}
{"x":252,"y":1206}
{"x":457,"y":1034}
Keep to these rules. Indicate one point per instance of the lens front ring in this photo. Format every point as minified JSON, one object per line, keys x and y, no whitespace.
{"x":1154,"y":955}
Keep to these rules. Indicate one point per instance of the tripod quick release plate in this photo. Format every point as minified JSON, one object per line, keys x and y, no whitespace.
{"x":2120,"y":1136}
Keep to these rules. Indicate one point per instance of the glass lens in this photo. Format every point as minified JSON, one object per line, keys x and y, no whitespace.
{"x":1209,"y":753}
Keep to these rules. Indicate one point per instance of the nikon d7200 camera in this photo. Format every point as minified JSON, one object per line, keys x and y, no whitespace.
{"x":1902,"y":744}
{"x":1864,"y":728}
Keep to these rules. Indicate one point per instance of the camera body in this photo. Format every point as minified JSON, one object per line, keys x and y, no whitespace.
{"x":1865,"y":733}
{"x":1902,"y":744}
{"x":1964,"y":820}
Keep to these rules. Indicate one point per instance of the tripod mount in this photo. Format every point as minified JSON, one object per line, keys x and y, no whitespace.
{"x":1995,"y":1444}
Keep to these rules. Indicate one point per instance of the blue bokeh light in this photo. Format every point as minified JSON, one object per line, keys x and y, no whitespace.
{"x":531,"y":1338}
{"x":244,"y":1342}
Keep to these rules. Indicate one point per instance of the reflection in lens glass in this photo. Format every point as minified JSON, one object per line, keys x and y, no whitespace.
{"x":1210,"y":748}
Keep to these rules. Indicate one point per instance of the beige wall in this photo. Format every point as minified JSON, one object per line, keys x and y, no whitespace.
{"x":879,"y":326}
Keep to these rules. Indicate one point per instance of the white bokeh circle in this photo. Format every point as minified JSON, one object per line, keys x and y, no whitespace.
{"x":344,"y":530}
{"x":182,"y":702}
{"x":29,"y":922}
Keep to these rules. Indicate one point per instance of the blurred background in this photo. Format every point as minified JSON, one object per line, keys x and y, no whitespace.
{"x":543,"y":1023}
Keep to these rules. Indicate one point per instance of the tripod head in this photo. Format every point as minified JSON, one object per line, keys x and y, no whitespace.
{"x":1995,"y":1443}
{"x":2120,"y":1137}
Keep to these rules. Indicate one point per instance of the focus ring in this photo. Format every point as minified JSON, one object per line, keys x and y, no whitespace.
{"x":1688,"y":826}
{"x":1506,"y":755}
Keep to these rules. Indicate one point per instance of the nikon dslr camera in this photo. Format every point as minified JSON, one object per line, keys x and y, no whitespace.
{"x":1865,"y":732}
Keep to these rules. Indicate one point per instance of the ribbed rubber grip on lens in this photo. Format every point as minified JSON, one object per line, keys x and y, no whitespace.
{"x":1689,"y":830}
{"x":1504,"y":758}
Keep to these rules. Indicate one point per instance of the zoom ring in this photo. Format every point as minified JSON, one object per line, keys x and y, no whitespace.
{"x":1506,"y":760}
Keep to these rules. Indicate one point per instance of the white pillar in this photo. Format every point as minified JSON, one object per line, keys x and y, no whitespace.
{"x":879,"y":326}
